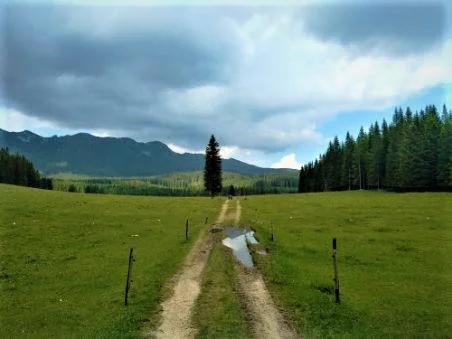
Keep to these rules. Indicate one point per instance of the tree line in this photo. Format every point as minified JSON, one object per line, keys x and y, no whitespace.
{"x":15,"y":169}
{"x":412,"y":153}
{"x":174,"y":185}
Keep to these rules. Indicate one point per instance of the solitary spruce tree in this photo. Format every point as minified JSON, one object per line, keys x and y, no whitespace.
{"x":212,"y":168}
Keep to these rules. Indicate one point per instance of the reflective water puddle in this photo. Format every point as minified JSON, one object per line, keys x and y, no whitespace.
{"x":237,"y":239}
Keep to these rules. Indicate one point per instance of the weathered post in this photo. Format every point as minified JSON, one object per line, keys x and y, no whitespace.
{"x":186,"y":229}
{"x":336,"y":277}
{"x":129,"y":277}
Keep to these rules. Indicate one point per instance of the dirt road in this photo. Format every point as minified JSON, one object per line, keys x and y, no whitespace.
{"x":266,"y":320}
{"x":176,"y":315}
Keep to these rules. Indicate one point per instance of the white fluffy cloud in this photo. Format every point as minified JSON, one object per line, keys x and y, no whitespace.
{"x":182,"y":150}
{"x":226,"y":152}
{"x":292,"y":68}
{"x":15,"y":121}
{"x":288,"y":82}
{"x":288,"y":161}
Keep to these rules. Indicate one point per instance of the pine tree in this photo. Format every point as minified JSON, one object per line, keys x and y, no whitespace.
{"x":335,"y":177}
{"x":392,"y":158}
{"x":384,"y":155}
{"x":361,"y":154}
{"x":4,"y":155}
{"x":375,"y":163}
{"x":302,"y":180}
{"x":212,"y":168}
{"x":430,"y":134}
{"x":319,"y":175}
{"x":445,"y":151}
{"x":329,"y":169}
{"x":348,"y":163}
{"x":407,"y":151}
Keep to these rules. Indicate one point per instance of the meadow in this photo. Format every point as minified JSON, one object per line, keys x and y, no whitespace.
{"x":393,"y":257}
{"x":64,"y":260}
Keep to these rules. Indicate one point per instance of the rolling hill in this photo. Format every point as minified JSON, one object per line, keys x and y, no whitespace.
{"x":84,"y":153}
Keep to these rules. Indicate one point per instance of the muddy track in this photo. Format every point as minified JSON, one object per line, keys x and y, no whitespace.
{"x":224,"y":208}
{"x":238,"y":213}
{"x":266,"y":320}
{"x":176,"y":315}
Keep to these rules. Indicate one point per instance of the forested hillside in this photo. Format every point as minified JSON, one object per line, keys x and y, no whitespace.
{"x":15,"y":169}
{"x":412,"y":153}
{"x":86,"y":154}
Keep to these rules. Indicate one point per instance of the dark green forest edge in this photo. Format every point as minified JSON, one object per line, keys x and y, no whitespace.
{"x":15,"y":169}
{"x":413,"y":153}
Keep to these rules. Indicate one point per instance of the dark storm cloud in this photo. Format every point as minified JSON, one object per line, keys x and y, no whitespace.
{"x":178,"y":74}
{"x":401,"y":27}
{"x":38,"y":39}
{"x":42,"y":51}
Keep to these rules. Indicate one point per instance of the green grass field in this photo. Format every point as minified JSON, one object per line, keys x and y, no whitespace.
{"x":64,"y":259}
{"x":394,"y":257}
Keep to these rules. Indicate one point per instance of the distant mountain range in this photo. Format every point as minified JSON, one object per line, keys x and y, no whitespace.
{"x":86,"y":154}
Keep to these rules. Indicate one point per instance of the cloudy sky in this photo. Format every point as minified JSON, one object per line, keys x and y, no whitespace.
{"x":274,"y":84}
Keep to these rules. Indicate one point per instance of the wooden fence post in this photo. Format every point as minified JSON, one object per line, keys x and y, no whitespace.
{"x":186,"y":229}
{"x":129,"y":277}
{"x":336,"y":277}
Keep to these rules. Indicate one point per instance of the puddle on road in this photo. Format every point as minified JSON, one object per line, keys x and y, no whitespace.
{"x":236,"y":240}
